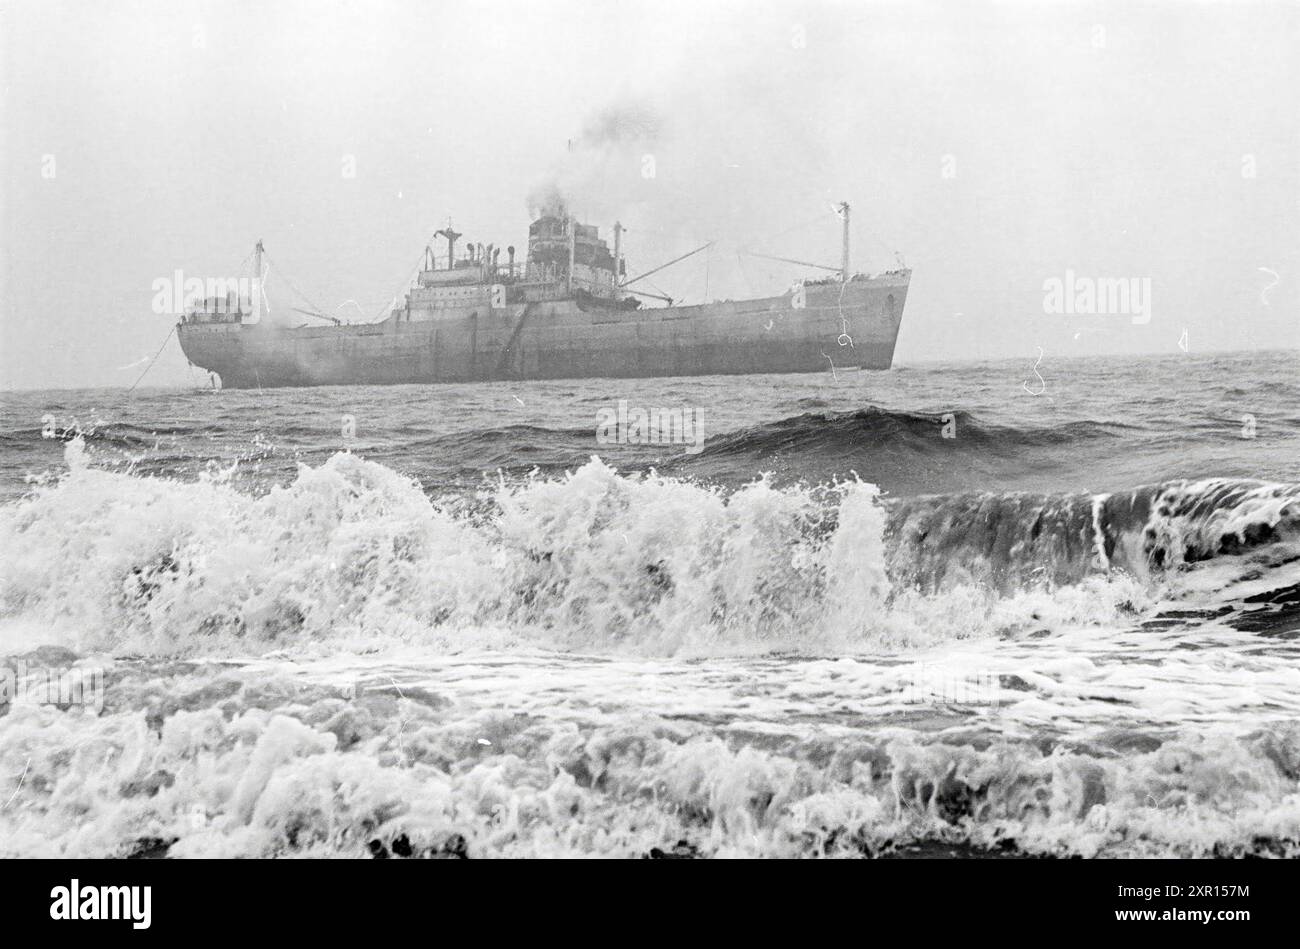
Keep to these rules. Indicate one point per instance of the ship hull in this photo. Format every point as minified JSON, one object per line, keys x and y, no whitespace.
{"x":830,"y":325}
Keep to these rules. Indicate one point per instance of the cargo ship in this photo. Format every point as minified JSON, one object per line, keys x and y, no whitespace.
{"x":569,"y":310}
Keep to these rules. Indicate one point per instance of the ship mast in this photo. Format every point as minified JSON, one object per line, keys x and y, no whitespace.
{"x":573,"y":237}
{"x":257,"y":287}
{"x":451,"y":236}
{"x":844,"y":251}
{"x":618,"y":251}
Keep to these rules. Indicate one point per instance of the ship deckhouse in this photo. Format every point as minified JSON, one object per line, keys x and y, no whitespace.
{"x":559,"y":246}
{"x":565,"y":260}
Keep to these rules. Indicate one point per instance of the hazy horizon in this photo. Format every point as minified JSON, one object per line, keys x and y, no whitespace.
{"x":993,"y":147}
{"x":199,"y":377}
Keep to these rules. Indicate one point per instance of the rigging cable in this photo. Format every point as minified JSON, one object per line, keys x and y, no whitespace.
{"x":152,"y":361}
{"x":301,"y":296}
{"x":419,"y":266}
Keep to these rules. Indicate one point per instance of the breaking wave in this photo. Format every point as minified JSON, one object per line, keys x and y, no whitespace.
{"x":351,"y":547}
{"x":594,"y":559}
{"x":1010,"y":541}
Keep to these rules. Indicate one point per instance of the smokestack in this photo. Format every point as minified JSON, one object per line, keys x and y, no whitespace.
{"x":511,"y":251}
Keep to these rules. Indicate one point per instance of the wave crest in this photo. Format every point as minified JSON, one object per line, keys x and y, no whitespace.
{"x":593,"y":559}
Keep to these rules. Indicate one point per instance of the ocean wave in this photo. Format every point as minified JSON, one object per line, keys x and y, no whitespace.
{"x":872,"y":428}
{"x":598,"y":560}
{"x":1013,"y":540}
{"x":904,"y":452}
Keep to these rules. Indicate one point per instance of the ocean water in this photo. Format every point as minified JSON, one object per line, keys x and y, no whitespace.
{"x":976,"y":606}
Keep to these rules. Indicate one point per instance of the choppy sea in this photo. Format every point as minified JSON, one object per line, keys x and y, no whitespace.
{"x":986,"y":607}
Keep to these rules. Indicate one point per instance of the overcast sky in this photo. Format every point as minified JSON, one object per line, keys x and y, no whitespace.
{"x":991,"y":146}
